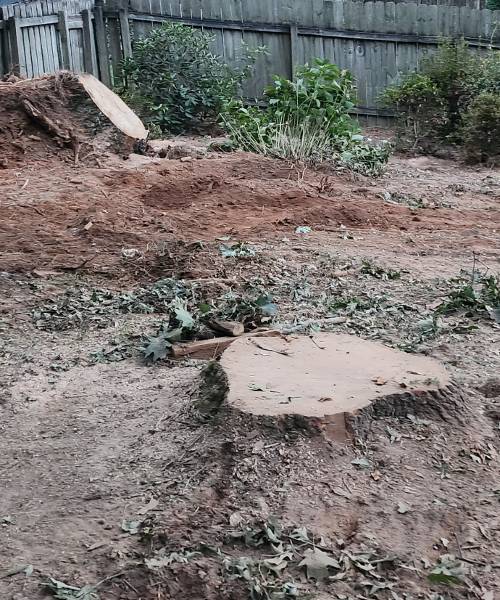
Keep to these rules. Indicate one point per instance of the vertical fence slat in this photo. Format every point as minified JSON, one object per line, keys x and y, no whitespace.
{"x":17,"y":65}
{"x":125,"y":32}
{"x":103,"y":41}
{"x":102,"y":46}
{"x":89,"y":57}
{"x":64,"y":39}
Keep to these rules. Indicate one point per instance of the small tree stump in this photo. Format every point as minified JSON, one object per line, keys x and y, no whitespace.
{"x":338,"y":383}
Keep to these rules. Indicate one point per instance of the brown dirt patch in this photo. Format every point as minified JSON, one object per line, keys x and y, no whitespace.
{"x":52,"y":119}
{"x":90,"y":435}
{"x":60,"y":218}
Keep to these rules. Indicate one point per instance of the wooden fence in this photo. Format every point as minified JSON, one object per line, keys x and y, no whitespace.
{"x":377,"y":41}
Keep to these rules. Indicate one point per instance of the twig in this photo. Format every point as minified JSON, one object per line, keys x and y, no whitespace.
{"x":316,"y":343}
{"x":459,"y":546}
{"x":106,"y":579}
{"x":81,"y":265}
{"x":282,"y":352}
{"x":127,"y":583}
{"x":473,"y":276}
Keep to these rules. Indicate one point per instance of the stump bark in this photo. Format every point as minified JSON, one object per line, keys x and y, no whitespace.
{"x":333,"y":383}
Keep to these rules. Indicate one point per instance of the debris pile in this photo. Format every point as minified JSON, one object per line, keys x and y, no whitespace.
{"x":72,"y":116}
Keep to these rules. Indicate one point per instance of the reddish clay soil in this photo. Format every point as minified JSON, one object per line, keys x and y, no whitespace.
{"x":92,"y":437}
{"x":54,"y":216}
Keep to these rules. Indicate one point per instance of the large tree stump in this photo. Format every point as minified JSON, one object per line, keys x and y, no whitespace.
{"x":337,"y":383}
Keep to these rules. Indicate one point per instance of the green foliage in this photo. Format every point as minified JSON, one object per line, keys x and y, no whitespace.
{"x":479,"y":296}
{"x":362,"y":156}
{"x":481,"y":129}
{"x":493,"y":4}
{"x":321,"y":95}
{"x":175,"y":82}
{"x":306,"y":121}
{"x":418,"y":101}
{"x":434,"y":104}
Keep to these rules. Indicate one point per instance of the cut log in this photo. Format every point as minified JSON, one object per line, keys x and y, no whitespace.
{"x":214,"y":347}
{"x":207,"y":349}
{"x":338,"y":383}
{"x":111,"y":105}
{"x":233,"y":328}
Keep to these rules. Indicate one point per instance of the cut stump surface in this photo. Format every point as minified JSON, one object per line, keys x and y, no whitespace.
{"x":337,"y":381}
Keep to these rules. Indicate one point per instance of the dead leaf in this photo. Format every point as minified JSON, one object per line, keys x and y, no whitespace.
{"x":379,"y":381}
{"x":26,"y":569}
{"x":325,"y":400}
{"x":151,"y":505}
{"x":317,"y":563}
{"x":235,"y":519}
{"x":341,"y":492}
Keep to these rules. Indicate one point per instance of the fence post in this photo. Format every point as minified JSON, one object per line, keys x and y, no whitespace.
{"x":125,"y":31}
{"x":17,"y":64}
{"x":89,"y":58}
{"x":294,"y":48}
{"x":64,"y":37}
{"x":102,"y":45}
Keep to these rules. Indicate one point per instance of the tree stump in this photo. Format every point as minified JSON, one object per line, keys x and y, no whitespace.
{"x":337,"y":383}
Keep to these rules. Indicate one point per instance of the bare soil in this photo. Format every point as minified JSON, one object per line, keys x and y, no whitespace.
{"x":92,"y":438}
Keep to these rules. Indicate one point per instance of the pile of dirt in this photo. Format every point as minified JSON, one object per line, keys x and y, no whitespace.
{"x":72,"y":117}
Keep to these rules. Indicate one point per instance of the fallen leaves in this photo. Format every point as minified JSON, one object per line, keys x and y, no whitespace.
{"x":317,"y":563}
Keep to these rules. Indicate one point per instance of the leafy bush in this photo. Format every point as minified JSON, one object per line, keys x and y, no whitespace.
{"x":321,"y":95}
{"x":422,"y":111}
{"x":481,"y":129}
{"x":433,"y":104}
{"x":306,"y":120}
{"x":175,"y":81}
{"x":493,"y":4}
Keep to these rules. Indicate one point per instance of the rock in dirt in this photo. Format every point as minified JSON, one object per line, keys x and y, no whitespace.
{"x":67,"y":116}
{"x":337,"y":382}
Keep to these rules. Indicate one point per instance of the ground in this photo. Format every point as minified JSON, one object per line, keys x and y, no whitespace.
{"x":105,"y":465}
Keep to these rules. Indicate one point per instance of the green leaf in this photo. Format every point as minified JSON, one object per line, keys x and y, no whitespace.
{"x":131,"y":526}
{"x":362,"y":463}
{"x":63,"y":591}
{"x":448,"y":571}
{"x":157,"y":348}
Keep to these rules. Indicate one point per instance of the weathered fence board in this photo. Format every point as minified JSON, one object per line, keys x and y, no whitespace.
{"x":377,"y":41}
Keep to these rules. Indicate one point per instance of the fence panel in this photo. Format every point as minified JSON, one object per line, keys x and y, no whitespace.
{"x":378,"y":41}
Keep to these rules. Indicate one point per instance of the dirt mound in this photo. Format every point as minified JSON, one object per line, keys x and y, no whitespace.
{"x":58,"y":116}
{"x":60,"y":217}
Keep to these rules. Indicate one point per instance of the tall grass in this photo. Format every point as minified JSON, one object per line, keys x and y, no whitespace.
{"x":286,"y":138}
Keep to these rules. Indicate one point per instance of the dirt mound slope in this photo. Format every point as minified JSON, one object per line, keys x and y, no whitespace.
{"x":57,"y":116}
{"x":61,"y":216}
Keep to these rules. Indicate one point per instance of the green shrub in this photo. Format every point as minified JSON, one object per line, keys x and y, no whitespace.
{"x":306,"y":120}
{"x":321,"y":94}
{"x":493,"y":4}
{"x":481,"y":129}
{"x":433,"y":104}
{"x":421,"y":108}
{"x":174,"y":80}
